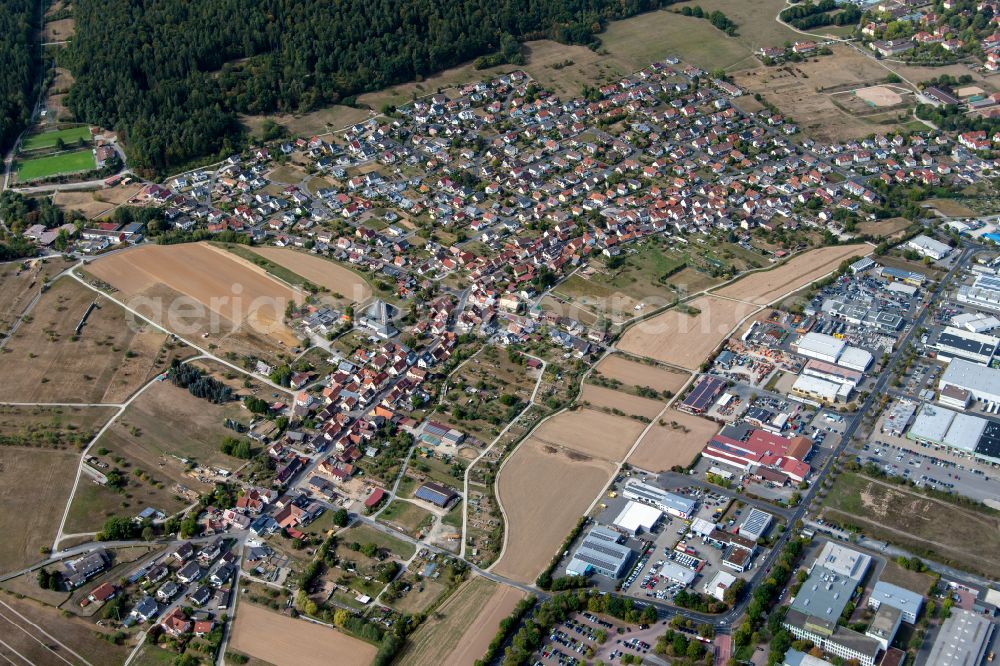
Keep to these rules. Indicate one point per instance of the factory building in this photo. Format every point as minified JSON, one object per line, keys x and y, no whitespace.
{"x":820,"y":347}
{"x":824,"y":595}
{"x":860,"y":315}
{"x":601,"y":552}
{"x":675,"y":505}
{"x":832,"y":373}
{"x":884,"y":625}
{"x":821,"y":390}
{"x":898,"y":418}
{"x":717,"y":587}
{"x":975,"y":322}
{"x":982,"y":383}
{"x":890,"y":274}
{"x":962,"y":640}
{"x":937,"y":425}
{"x":756,"y":524}
{"x":983,"y":293}
{"x":958,"y":343}
{"x":926,"y":246}
{"x":829,"y":349}
{"x":636,"y":518}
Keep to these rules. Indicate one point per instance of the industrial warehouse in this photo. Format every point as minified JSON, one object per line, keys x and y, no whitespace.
{"x":927,"y":423}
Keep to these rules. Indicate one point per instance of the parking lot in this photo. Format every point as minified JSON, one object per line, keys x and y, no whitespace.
{"x":932,"y":466}
{"x":584,"y":637}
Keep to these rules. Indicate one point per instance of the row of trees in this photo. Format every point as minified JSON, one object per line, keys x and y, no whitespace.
{"x":20,"y":58}
{"x":172,"y":76}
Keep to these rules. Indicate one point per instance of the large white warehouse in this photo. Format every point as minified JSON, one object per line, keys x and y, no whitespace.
{"x":983,"y":383}
{"x":821,"y":346}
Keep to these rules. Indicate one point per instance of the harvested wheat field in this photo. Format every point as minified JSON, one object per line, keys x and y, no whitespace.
{"x":682,"y":339}
{"x":96,"y":204}
{"x":323,"y":272}
{"x":768,"y":286}
{"x":198,"y":290}
{"x":544,"y":490}
{"x":589,"y":433}
{"x":604,"y":398}
{"x":46,"y":360}
{"x":283,"y":641}
{"x":636,"y":374}
{"x":460,"y":630}
{"x":676,"y":442}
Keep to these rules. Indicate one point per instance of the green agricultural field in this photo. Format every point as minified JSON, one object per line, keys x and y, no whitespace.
{"x":54,"y":165}
{"x":50,"y":139}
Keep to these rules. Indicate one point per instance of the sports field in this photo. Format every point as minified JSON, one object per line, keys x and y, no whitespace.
{"x":279,"y":639}
{"x":50,"y":139}
{"x":675,"y":439}
{"x":55,"y":165}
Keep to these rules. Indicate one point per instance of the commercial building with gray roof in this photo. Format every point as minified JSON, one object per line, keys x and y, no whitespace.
{"x":601,"y":552}
{"x":982,"y":382}
{"x":962,"y":640}
{"x":908,"y":603}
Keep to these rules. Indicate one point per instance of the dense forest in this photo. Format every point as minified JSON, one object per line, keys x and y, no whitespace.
{"x":172,"y":75}
{"x":19,"y":55}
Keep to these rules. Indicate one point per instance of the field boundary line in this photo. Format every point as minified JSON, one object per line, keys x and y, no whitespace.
{"x":496,"y":494}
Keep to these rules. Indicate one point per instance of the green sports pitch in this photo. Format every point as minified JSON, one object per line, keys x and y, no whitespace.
{"x":54,"y":165}
{"x":50,"y":139}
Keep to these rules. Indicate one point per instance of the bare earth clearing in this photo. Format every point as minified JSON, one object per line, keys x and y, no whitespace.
{"x":685,"y":340}
{"x":96,"y":204}
{"x":284,"y":641}
{"x":802,"y":90}
{"x":325,"y":273}
{"x":195,"y":289}
{"x":676,"y":443}
{"x":633,"y":373}
{"x":46,"y":362}
{"x":589,"y":433}
{"x":544,"y":490}
{"x":767,"y":286}
{"x":599,"y":396}
{"x":34,"y":487}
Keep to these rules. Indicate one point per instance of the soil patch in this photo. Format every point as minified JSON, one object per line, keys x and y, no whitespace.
{"x":282,"y":640}
{"x":675,"y":439}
